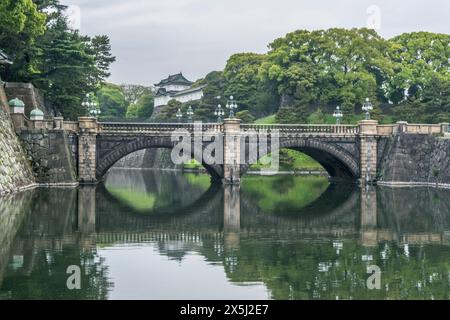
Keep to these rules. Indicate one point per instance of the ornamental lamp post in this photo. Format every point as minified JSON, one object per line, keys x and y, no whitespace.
{"x":95,"y":112}
{"x":219,"y":113}
{"x":231,"y":105}
{"x":367,"y":107}
{"x":90,"y":105}
{"x":338,"y":115}
{"x":190,"y":113}
{"x":179,"y":115}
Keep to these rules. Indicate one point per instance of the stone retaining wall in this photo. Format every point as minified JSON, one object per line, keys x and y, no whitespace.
{"x":415,"y":159}
{"x":52,"y":155}
{"x":15,"y":170}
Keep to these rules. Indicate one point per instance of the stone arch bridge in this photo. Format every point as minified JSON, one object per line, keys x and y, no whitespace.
{"x":228,"y":149}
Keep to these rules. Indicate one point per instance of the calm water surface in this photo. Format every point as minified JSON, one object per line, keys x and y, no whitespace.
{"x":163,"y":235}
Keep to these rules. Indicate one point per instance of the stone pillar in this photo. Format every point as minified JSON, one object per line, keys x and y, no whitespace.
{"x":87,"y":150}
{"x":231,"y":151}
{"x":58,"y":123}
{"x":369,"y":224}
{"x":231,"y":216}
{"x":368,"y":150}
{"x":402,"y":126}
{"x":39,"y":124}
{"x":445,"y":128}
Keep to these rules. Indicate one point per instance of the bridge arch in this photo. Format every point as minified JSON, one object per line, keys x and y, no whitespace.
{"x":107,"y":160}
{"x":336,"y":160}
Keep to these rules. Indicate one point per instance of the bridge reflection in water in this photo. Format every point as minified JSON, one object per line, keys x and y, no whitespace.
{"x":316,"y":246}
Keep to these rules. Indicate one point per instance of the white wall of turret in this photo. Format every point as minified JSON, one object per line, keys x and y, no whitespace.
{"x":196,"y":95}
{"x":189,"y":96}
{"x":175,"y":87}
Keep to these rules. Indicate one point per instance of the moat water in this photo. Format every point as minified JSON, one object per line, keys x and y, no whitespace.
{"x":165,"y":235}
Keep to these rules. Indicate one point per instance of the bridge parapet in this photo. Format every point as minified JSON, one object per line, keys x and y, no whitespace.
{"x":412,"y":128}
{"x":21,"y":122}
{"x":118,"y":127}
{"x":304,"y":128}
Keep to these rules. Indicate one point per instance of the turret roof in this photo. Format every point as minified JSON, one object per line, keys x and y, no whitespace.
{"x":174,"y":79}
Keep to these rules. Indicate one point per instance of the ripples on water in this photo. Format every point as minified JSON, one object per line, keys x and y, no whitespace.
{"x":163,"y":235}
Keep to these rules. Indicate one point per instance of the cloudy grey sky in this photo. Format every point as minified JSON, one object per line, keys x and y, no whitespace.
{"x":154,"y":38}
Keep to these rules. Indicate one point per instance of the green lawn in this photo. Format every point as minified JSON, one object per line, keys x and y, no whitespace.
{"x":139,"y":201}
{"x":329,"y":119}
{"x":266,"y":120}
{"x":291,"y":160}
{"x":284,"y":194}
{"x":199,"y":180}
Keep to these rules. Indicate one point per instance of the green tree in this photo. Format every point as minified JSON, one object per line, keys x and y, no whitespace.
{"x":212,"y":96}
{"x":133,"y":92}
{"x":418,"y":57}
{"x":436,"y":97}
{"x":328,"y":67}
{"x":292,"y":114}
{"x":63,"y":64}
{"x":242,"y":81}
{"x":168,"y":112}
{"x":245,"y":116}
{"x":317,"y":117}
{"x":112,"y":101}
{"x":20,"y":24}
{"x":142,"y":109}
{"x":412,"y":110}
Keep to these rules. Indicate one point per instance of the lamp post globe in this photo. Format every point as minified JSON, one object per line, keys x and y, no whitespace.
{"x":232,"y":106}
{"x":219,"y":113}
{"x":190,"y":113}
{"x":338,"y":115}
{"x":179,"y":115}
{"x":367,"y":107}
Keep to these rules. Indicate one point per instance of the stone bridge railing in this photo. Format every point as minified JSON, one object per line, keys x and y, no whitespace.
{"x":364,"y":136}
{"x":303,"y":128}
{"x":132,"y":128}
{"x":22,"y":122}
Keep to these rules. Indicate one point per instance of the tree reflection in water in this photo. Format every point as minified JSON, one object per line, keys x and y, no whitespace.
{"x":299,"y":236}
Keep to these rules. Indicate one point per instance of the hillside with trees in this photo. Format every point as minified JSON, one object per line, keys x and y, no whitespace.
{"x":63,"y":64}
{"x":306,"y":74}
{"x":302,"y":78}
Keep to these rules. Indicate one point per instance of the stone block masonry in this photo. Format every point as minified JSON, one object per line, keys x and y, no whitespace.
{"x":51,"y":155}
{"x":15,"y":170}
{"x":415,"y":159}
{"x":28,"y":94}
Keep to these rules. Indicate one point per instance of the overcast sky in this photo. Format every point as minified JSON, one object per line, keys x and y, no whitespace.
{"x":154,"y":38}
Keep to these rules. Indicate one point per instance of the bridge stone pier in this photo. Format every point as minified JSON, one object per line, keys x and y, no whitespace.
{"x":367,"y":153}
{"x":87,"y":150}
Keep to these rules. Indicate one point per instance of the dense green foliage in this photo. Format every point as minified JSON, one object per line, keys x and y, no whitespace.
{"x":21,"y":23}
{"x":142,"y":108}
{"x":306,"y":74}
{"x":302,"y":78}
{"x":278,"y":194}
{"x":112,"y":101}
{"x":60,"y":62}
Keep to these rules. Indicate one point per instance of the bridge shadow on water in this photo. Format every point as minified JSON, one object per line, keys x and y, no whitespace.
{"x":295,"y":235}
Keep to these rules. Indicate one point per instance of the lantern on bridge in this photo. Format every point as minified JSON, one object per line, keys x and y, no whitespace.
{"x":338,"y":115}
{"x":17,"y":106}
{"x":36,"y":115}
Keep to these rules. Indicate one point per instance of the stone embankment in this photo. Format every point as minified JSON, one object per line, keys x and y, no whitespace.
{"x":15,"y":170}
